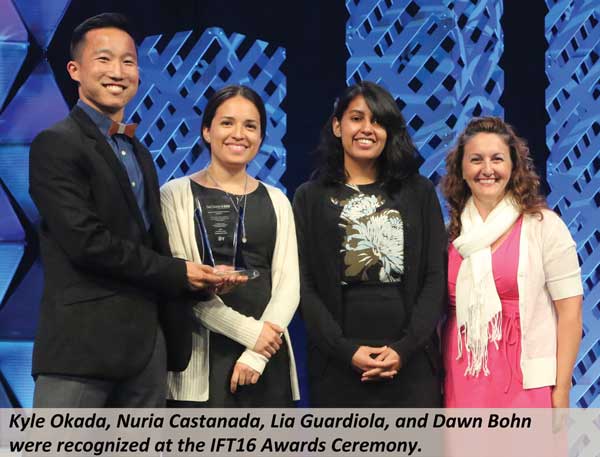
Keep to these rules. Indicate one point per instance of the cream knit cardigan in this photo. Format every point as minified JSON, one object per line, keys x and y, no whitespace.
{"x":548,"y":271}
{"x":213,"y":315}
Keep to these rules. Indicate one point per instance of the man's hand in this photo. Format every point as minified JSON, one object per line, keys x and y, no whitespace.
{"x":202,"y":276}
{"x":229,"y":281}
{"x":242,"y":375}
{"x":269,"y":341}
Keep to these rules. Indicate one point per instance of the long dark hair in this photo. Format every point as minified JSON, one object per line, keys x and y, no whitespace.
{"x":224,"y":94}
{"x":399,"y":158}
{"x":524,"y":183}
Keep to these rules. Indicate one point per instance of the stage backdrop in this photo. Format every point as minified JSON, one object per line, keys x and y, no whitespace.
{"x":444,"y":62}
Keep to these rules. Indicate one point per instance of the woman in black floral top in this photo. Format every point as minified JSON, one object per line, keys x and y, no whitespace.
{"x":372,"y":241}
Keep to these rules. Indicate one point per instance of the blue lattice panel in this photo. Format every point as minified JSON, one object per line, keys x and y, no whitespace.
{"x":179,"y":74}
{"x":15,"y":366}
{"x":573,"y":138}
{"x":12,"y":242}
{"x":439,"y":59}
{"x":13,"y":47}
{"x":37,"y":103}
{"x":14,"y":173}
{"x":42,"y":17}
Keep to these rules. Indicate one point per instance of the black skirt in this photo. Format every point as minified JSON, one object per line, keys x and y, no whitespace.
{"x":273,"y":389}
{"x":374,"y":315}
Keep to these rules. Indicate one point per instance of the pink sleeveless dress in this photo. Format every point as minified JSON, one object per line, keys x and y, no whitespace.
{"x":503,"y":387}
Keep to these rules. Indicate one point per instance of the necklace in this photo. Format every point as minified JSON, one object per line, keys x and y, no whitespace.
{"x":239,"y":207}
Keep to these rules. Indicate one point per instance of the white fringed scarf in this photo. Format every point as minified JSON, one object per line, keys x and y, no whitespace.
{"x":478,"y":307}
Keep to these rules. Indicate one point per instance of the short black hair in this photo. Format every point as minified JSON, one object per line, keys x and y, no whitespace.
{"x":224,"y":94}
{"x":399,"y":158}
{"x":100,"y":21}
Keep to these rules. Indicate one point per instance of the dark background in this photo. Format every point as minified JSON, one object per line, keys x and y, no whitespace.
{"x":313,"y":34}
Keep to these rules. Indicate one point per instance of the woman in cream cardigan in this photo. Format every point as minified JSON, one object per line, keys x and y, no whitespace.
{"x":242,"y":354}
{"x":514,"y":280}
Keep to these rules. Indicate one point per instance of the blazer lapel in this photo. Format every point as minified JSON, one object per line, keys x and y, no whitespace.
{"x":104,"y":149}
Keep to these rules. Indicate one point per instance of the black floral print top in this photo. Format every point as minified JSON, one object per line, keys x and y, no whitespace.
{"x":372,"y":248}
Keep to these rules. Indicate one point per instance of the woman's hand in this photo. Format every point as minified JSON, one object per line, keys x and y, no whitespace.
{"x":391,"y":364}
{"x":560,"y":397}
{"x":242,"y":375}
{"x":269,"y":341}
{"x":364,"y":359}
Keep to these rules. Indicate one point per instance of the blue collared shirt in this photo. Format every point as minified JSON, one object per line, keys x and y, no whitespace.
{"x":123,"y":149}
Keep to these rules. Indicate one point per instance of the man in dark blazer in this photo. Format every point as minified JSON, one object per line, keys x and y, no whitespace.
{"x":107,"y":264}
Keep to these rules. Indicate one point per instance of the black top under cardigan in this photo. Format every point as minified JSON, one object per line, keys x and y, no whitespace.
{"x":424,"y":280}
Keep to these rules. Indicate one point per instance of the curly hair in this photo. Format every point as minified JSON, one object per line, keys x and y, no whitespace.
{"x":524,"y":183}
{"x":399,"y":158}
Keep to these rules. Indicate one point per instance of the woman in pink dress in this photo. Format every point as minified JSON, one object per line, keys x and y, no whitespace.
{"x":514,"y":283}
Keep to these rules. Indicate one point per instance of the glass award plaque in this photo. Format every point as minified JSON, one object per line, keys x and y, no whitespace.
{"x":215,"y":222}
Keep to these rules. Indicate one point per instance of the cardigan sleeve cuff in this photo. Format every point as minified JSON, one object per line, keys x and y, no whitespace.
{"x":246,"y":334}
{"x":565,"y":287}
{"x":242,"y":329}
{"x":346,"y":351}
{"x":254,"y":360}
{"x":176,"y":282}
{"x":405,"y":348}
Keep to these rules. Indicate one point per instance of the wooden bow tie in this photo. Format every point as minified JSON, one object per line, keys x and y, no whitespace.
{"x":118,"y":128}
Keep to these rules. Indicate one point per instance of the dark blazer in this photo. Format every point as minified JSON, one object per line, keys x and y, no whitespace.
{"x":105,"y":275}
{"x":424,"y":280}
